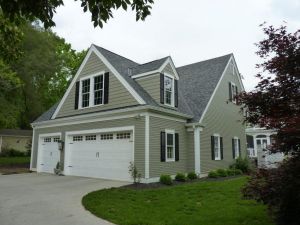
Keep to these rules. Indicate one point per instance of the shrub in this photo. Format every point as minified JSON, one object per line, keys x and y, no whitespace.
{"x":134,"y":173}
{"x":9,"y":152}
{"x":180,"y":177}
{"x":234,"y":172}
{"x":242,"y":164}
{"x":222,"y":172}
{"x":213,"y":174}
{"x":192,"y":176}
{"x":238,"y":172}
{"x":165,"y":179}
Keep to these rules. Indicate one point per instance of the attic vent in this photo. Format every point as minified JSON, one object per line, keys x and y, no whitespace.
{"x":129,"y":71}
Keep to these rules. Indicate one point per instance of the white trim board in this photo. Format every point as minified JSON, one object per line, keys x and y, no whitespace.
{"x":93,"y":49}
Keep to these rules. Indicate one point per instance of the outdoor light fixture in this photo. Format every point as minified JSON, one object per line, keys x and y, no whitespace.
{"x":61,"y":145}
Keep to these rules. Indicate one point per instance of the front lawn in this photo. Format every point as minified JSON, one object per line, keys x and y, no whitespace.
{"x":201,"y":203}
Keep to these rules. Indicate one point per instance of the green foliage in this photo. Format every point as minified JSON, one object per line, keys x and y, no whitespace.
{"x":192,"y":176}
{"x":134,"y":173}
{"x":165,"y":179}
{"x":234,"y":172}
{"x":187,"y":204}
{"x":222,"y":172}
{"x":213,"y":174}
{"x":12,"y":161}
{"x":9,"y":152}
{"x":242,"y":164}
{"x":180,"y":177}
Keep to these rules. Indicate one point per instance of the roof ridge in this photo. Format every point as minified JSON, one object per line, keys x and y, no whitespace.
{"x":116,"y":54}
{"x":151,"y":61}
{"x":205,"y":60}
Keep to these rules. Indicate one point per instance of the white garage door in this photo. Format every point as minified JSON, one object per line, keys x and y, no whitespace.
{"x":104,"y":155}
{"x":49,"y":154}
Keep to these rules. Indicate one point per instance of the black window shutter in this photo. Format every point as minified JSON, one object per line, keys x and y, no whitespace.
{"x":176,"y":147}
{"x":212,"y":141}
{"x":162,"y":146}
{"x":76,"y":95}
{"x":233,"y":150}
{"x":221,"y":146}
{"x":176,"y":93}
{"x":240,"y":148}
{"x":162,"y":83}
{"x":106,"y":88}
{"x":230,"y":95}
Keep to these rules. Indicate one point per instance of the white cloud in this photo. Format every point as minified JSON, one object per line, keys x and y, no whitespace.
{"x":189,"y":31}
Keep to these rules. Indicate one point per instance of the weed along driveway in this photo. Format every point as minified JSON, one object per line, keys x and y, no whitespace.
{"x":42,"y":199}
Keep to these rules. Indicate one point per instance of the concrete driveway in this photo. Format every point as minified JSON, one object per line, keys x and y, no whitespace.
{"x":44,"y":199}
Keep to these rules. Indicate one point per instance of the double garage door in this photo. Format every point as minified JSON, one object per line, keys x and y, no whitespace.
{"x":99,"y":155}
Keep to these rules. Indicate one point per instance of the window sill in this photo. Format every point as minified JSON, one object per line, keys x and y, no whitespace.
{"x":93,"y":106}
{"x":170,"y":160}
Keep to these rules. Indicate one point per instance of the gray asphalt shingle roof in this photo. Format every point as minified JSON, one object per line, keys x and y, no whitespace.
{"x":16,"y":132}
{"x":198,"y":82}
{"x":196,"y":85}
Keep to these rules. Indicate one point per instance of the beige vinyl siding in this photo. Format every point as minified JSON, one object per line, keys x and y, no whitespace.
{"x":222,"y":117}
{"x":151,"y":84}
{"x":118,"y":95}
{"x":16,"y":143}
{"x":139,"y":138}
{"x":156,"y":166}
{"x":168,"y":69}
{"x":190,"y":152}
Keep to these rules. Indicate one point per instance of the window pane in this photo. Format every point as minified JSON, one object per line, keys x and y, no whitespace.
{"x":216,"y":147}
{"x":170,"y":152}
{"x":85,"y":93}
{"x":168,"y":83}
{"x":170,"y":139}
{"x":168,"y":89}
{"x":98,"y":90}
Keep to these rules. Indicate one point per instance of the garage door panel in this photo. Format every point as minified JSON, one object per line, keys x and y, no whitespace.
{"x":49,"y":154}
{"x":108,"y":158}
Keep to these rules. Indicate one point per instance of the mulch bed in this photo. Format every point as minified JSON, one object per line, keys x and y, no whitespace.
{"x":141,"y":186}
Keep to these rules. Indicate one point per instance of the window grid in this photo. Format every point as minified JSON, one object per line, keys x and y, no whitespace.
{"x":168,"y":88}
{"x":98,"y":90}
{"x":236,"y":147}
{"x":106,"y":136}
{"x":85,"y":93}
{"x":77,"y":138}
{"x":90,"y":137}
{"x":47,"y":139}
{"x":233,"y":92}
{"x":56,"y":139}
{"x":217,"y":147}
{"x":170,"y":146}
{"x":123,"y":135}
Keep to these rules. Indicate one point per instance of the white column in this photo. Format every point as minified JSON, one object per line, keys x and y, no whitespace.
{"x":197,"y":149}
{"x":32,"y":148}
{"x":147,"y":131}
{"x":0,"y":143}
{"x":255,"y":145}
{"x":268,"y":139}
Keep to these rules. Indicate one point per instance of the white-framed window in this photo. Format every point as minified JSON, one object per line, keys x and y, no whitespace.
{"x":98,"y":89}
{"x":47,"y":139}
{"x":168,"y":90}
{"x":56,"y":139}
{"x":170,"y":145}
{"x":85,"y":93}
{"x":233,"y":92}
{"x":125,"y":135}
{"x":91,"y":90}
{"x":236,"y":147}
{"x":106,"y":136}
{"x":77,"y":138}
{"x":90,"y":137}
{"x":217,"y":146}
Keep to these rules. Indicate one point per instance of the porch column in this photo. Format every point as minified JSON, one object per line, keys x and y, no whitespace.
{"x":197,"y":149}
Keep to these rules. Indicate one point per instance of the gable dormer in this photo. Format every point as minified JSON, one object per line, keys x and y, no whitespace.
{"x":160,"y":83}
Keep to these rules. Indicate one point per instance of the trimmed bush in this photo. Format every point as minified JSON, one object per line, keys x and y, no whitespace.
{"x":180,"y":177}
{"x":242,"y":164}
{"x":165,"y":179}
{"x":192,"y":176}
{"x":213,"y":174}
{"x":238,"y":172}
{"x":234,"y":172}
{"x":12,"y":153}
{"x":221,"y":172}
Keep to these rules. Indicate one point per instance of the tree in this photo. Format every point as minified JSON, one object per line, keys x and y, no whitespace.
{"x":101,"y":10}
{"x":275,"y":104}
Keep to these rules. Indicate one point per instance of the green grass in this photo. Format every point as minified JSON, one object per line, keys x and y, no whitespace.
{"x":202,"y":203}
{"x":6,"y":161}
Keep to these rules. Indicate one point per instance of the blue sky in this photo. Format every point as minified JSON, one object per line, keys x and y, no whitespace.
{"x":190,"y":32}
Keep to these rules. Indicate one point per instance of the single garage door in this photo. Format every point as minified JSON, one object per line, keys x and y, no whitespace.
{"x":49,"y":154}
{"x":103,"y":155}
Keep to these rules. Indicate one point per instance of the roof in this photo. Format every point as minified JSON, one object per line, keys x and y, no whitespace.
{"x":149,"y":66}
{"x":198,"y":82}
{"x":15,"y":132}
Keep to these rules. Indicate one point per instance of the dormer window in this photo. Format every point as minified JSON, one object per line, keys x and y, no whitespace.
{"x":169,"y":90}
{"x":85,"y":93}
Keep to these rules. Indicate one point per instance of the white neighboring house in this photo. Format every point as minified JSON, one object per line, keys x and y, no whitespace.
{"x":257,"y":141}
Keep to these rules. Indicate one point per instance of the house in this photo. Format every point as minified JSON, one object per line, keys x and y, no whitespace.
{"x":164,"y":119}
{"x":15,"y":139}
{"x":258,"y":140}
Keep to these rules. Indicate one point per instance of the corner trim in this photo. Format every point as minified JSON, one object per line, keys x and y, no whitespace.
{"x":147,"y":141}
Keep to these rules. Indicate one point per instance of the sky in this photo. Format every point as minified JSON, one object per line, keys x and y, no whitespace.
{"x":188,"y":31}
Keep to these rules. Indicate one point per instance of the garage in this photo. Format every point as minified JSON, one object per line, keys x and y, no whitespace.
{"x":104,"y":155}
{"x":49,"y":154}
